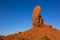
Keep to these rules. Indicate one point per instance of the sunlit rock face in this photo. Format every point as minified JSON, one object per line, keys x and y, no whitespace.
{"x":36,"y":17}
{"x":39,"y":31}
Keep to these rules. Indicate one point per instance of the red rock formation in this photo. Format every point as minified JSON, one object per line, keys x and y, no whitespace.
{"x":36,"y":17}
{"x":40,"y":31}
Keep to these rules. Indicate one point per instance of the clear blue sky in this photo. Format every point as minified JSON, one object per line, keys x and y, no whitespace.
{"x":16,"y":15}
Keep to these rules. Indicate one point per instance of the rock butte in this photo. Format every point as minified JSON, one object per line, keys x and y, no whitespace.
{"x":37,"y":20}
{"x":39,"y":30}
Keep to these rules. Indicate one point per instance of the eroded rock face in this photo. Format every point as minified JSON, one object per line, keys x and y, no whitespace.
{"x":42,"y":32}
{"x":36,"y":17}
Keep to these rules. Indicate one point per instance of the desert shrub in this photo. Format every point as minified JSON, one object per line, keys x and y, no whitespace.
{"x":22,"y":38}
{"x":12,"y":37}
{"x":1,"y":39}
{"x":53,"y":38}
{"x":44,"y":38}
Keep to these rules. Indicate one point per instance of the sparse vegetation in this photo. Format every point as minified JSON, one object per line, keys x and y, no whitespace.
{"x":22,"y":38}
{"x":1,"y":39}
{"x":53,"y":38}
{"x":44,"y":38}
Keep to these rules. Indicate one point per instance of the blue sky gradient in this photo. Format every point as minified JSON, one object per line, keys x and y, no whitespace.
{"x":16,"y":15}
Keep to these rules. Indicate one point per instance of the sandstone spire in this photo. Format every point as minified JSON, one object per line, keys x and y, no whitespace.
{"x":36,"y":17}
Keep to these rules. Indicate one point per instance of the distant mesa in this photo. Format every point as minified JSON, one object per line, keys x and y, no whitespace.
{"x":1,"y":36}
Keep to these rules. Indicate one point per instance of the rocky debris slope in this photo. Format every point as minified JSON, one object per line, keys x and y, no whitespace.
{"x":39,"y":33}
